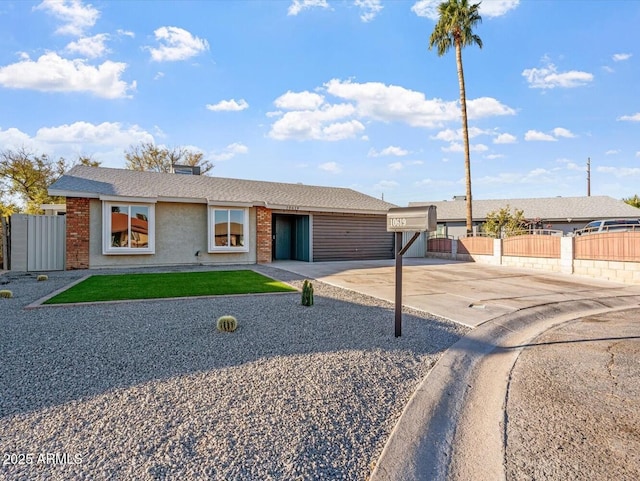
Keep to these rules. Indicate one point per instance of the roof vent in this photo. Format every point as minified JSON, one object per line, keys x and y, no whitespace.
{"x":459,"y":197}
{"x":185,"y":169}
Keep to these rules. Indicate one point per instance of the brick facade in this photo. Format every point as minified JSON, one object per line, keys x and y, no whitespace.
{"x":263,"y":235}
{"x":77,"y":233}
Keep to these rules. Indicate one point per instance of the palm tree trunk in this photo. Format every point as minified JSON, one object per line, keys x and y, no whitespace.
{"x":465,"y":136}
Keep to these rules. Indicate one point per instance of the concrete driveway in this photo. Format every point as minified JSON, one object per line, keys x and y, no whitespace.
{"x":579,"y":341}
{"x":464,"y":292}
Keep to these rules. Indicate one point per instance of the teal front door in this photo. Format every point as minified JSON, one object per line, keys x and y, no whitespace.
{"x":283,"y":234}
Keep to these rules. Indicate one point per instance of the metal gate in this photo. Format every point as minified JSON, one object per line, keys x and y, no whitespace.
{"x":37,"y":242}
{"x":418,"y":248}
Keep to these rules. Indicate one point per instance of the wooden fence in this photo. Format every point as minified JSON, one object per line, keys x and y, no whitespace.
{"x":610,"y":246}
{"x":532,"y":246}
{"x":439,"y":244}
{"x":475,"y":245}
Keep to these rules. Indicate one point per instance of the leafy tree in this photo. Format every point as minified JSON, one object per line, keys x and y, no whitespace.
{"x":504,"y":222}
{"x":148,"y":156}
{"x":454,"y":28}
{"x":26,"y":176}
{"x":634,"y":201}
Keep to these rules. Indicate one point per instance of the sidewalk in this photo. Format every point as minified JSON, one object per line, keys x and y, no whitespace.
{"x":500,"y":403}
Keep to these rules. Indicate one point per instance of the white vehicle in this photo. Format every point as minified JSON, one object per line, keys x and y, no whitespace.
{"x":610,"y":225}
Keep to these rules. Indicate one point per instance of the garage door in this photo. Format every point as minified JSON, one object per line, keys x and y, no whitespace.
{"x":351,"y":237}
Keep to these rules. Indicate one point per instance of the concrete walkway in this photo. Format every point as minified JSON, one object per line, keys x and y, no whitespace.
{"x":460,"y":422}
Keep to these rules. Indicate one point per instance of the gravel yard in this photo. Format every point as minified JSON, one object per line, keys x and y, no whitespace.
{"x":150,"y":390}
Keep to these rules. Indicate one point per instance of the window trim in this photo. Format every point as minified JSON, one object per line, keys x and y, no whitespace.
{"x":212,"y":248}
{"x":107,"y":248}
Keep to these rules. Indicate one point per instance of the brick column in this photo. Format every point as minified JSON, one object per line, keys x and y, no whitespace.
{"x":77,"y":233}
{"x":263,"y":235}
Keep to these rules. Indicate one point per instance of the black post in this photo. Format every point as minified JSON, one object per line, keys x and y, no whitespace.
{"x":398,"y":284}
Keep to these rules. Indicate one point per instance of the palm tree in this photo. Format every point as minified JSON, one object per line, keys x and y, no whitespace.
{"x":455,"y":29}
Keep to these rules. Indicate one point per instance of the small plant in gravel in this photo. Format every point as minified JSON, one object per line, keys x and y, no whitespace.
{"x":227,"y":324}
{"x":6,"y":293}
{"x":42,"y":277}
{"x":307,"y":293}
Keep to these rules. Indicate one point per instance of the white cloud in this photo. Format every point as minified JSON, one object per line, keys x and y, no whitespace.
{"x":76,"y":17}
{"x":534,"y":135}
{"x":391,"y":150}
{"x":125,"y":33}
{"x":386,"y":184}
{"x":229,"y":152}
{"x":90,"y":47}
{"x":612,"y":152}
{"x":228,"y":106}
{"x":332,"y":167}
{"x":505,"y":139}
{"x":488,"y":9}
{"x":317,"y":124}
{"x":310,"y":113}
{"x":395,"y":166}
{"x":298,"y":5}
{"x":570,"y":165}
{"x":51,"y":73}
{"x":487,"y":107}
{"x":548,"y":78}
{"x":369,"y":8}
{"x":104,"y":142}
{"x":14,"y":139}
{"x":620,"y":171}
{"x":607,"y":69}
{"x":106,"y":133}
{"x":620,"y":57}
{"x":176,"y":44}
{"x":493,"y":156}
{"x":450,"y":135}
{"x":342,"y":130}
{"x":536,"y":175}
{"x":393,"y":103}
{"x":560,"y":132}
{"x":458,"y":147}
{"x":638,"y":153}
{"x":631,"y":118}
{"x":299,"y":101}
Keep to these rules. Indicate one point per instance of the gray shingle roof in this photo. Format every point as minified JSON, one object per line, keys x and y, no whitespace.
{"x":94,"y":182}
{"x":551,"y":209}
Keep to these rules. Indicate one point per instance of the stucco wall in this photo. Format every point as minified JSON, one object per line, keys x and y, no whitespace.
{"x":181,"y":231}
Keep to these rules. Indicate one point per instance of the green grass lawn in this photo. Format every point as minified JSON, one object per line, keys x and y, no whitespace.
{"x":175,"y":284}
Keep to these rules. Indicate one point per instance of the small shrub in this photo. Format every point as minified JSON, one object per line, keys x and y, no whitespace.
{"x":307,"y":293}
{"x":42,"y":277}
{"x":227,"y":324}
{"x":6,"y":293}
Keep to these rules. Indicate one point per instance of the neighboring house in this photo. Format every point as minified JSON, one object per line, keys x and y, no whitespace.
{"x":556,"y":213}
{"x":118,"y":217}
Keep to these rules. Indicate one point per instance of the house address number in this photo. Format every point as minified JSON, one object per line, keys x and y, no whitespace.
{"x":397,"y":222}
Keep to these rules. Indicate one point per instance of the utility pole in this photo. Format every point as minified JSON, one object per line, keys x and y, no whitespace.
{"x":588,"y":176}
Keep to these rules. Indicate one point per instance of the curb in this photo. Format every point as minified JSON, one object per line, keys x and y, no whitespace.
{"x":453,"y":424}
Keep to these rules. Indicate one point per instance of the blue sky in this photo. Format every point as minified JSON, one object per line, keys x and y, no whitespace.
{"x":337,"y":93}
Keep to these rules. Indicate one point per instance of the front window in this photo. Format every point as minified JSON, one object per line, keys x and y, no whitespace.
{"x":128,"y":229}
{"x":228,"y":230}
